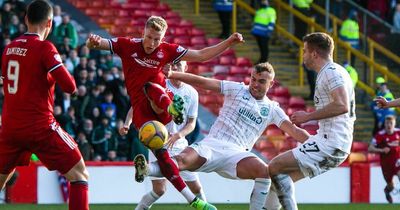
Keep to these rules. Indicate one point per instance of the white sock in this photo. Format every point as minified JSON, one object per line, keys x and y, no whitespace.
{"x":259,"y":193}
{"x":147,"y":200}
{"x":154,"y":169}
{"x":201,"y":195}
{"x":285,"y":189}
{"x":188,"y":194}
{"x":272,"y":201}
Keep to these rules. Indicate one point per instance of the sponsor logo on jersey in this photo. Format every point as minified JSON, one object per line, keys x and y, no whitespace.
{"x":250,"y":115}
{"x":180,"y":49}
{"x":264,"y":111}
{"x":58,"y":58}
{"x":136,"y":40}
{"x":160,"y":54}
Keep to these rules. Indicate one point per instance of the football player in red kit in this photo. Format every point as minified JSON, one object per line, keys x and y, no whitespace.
{"x":143,"y":60}
{"x":387,"y":143}
{"x":30,"y":68}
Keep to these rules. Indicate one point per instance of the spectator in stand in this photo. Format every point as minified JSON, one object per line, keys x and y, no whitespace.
{"x":124,"y":143}
{"x":72,"y":61}
{"x":104,"y":141}
{"x":380,"y":114}
{"x":84,"y":146}
{"x":224,"y":10}
{"x":13,"y":28}
{"x":350,"y":32}
{"x":263,"y":27}
{"x":301,"y":27}
{"x":80,"y":102}
{"x":352,"y":71}
{"x":66,"y":30}
{"x":95,"y":116}
{"x":6,"y":15}
{"x":57,"y":18}
{"x":18,"y":7}
{"x":68,"y":121}
{"x":87,"y":127}
{"x":395,"y":35}
{"x":387,"y":143}
{"x":108,"y":103}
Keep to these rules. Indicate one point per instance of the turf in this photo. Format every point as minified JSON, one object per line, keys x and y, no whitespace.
{"x":219,"y":206}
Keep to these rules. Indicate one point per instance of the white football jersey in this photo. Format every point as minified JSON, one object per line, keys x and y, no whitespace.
{"x":191,"y":99}
{"x":338,"y":130}
{"x":242,"y":118}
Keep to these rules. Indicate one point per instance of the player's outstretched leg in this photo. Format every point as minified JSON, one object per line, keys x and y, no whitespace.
{"x":141,"y":167}
{"x":162,"y":100}
{"x":199,"y":204}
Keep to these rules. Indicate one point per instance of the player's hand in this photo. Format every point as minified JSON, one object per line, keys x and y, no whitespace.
{"x":93,"y":41}
{"x":381,"y":102}
{"x":236,"y":38}
{"x":299,"y":117}
{"x":386,"y":150}
{"x":123,"y":130}
{"x":172,"y":139}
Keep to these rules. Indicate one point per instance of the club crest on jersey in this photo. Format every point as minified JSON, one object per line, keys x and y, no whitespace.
{"x":180,"y":49}
{"x":160,"y":54}
{"x":264,"y":111}
{"x":58,"y":57}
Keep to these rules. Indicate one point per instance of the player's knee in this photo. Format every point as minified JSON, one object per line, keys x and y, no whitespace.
{"x":261,"y":172}
{"x":181,"y":161}
{"x":160,"y":190}
{"x":273,"y":168}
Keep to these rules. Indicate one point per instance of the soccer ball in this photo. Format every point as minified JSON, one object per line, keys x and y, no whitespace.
{"x":153,"y":134}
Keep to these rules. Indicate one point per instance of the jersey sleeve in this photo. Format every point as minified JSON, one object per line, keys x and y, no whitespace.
{"x":229,"y":88}
{"x":193,"y":108}
{"x":278,"y":116}
{"x":334,"y":80}
{"x":175,"y":52}
{"x":117,"y":44}
{"x":51,"y":58}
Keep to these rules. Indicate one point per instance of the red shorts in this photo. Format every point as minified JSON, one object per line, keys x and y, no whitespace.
{"x":142,"y":111}
{"x":389,"y":171}
{"x":55,"y":148}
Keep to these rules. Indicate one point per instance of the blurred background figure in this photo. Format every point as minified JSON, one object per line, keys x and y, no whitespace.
{"x":380,"y":114}
{"x":224,"y":10}
{"x":352,"y":71}
{"x":387,"y":143}
{"x":349,"y":32}
{"x":263,"y":27}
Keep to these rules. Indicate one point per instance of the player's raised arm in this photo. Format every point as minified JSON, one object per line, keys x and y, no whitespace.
{"x":97,"y":42}
{"x":191,"y":79}
{"x":213,"y":51}
{"x":297,"y":133}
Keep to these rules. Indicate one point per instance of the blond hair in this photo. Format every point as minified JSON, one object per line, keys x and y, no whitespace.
{"x":157,"y":23}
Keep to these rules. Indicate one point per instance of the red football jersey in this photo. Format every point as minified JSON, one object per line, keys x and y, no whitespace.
{"x":382,"y":140}
{"x":27,"y":83}
{"x":139,"y":67}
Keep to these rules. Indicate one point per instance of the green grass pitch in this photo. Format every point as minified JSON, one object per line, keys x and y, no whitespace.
{"x":219,"y":206}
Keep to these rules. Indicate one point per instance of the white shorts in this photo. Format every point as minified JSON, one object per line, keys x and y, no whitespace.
{"x":187,"y":176}
{"x":316,"y":156}
{"x":222,"y":157}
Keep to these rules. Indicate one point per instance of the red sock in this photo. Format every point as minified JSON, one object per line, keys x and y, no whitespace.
{"x":79,"y":196}
{"x":158,"y":94}
{"x":169,"y":169}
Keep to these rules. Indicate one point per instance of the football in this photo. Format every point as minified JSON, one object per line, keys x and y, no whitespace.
{"x":153,"y":135}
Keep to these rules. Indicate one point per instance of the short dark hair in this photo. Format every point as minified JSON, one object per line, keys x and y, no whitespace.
{"x":321,"y":42}
{"x":39,"y":11}
{"x":266,"y":66}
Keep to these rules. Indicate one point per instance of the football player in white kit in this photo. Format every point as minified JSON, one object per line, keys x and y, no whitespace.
{"x":177,"y":141}
{"x":335,"y":112}
{"x":245,"y":114}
